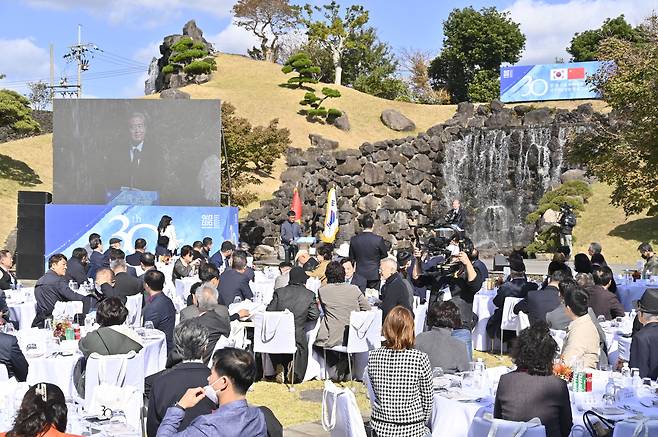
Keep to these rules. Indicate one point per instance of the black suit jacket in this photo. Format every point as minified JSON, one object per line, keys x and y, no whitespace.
{"x":359,"y":281}
{"x":134,"y":259}
{"x":12,"y":357}
{"x":160,"y":310}
{"x":395,"y":292}
{"x":539,"y":303}
{"x":169,"y":387}
{"x":126,"y":284}
{"x":367,"y":250}
{"x":50,"y":289}
{"x":96,"y":262}
{"x":76,"y":271}
{"x":233,"y":284}
{"x":644,"y":351}
{"x":218,"y":325}
{"x":146,"y":174}
{"x":6,"y":280}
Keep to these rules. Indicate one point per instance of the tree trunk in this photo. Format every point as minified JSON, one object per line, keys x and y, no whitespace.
{"x":338,"y":72}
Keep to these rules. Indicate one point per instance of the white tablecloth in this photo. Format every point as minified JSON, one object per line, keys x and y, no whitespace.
{"x":59,"y":370}
{"x":483,"y":308}
{"x":618,"y":340}
{"x":184,"y":285}
{"x":628,"y":292}
{"x":22,"y":306}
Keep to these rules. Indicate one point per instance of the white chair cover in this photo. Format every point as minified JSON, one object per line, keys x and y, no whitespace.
{"x":313,"y":368}
{"x":558,"y":335}
{"x":66,"y":309}
{"x":420,"y":314}
{"x":120,"y":370}
{"x":365,"y":331}
{"x":274,"y":332}
{"x":340,"y":413}
{"x":637,"y":427}
{"x":624,"y":347}
{"x":488,"y":427}
{"x":510,"y":321}
{"x":134,"y":306}
{"x":238,"y":335}
{"x":4,"y":374}
{"x":139,"y":271}
{"x":222,"y":343}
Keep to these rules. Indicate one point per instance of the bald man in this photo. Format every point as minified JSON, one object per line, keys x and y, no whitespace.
{"x":394,"y":292}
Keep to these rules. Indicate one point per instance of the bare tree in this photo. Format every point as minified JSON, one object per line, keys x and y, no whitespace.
{"x":269,"y":20}
{"x":416,"y":63}
{"x":40,"y":95}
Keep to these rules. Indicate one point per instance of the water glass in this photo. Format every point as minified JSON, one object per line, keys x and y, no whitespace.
{"x":237,"y":299}
{"x":148,"y":324}
{"x":437,"y":372}
{"x":48,"y":324}
{"x":467,"y":379}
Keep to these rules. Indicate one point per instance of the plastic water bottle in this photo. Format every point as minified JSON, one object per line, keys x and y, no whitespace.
{"x":610,"y":391}
{"x":626,"y":375}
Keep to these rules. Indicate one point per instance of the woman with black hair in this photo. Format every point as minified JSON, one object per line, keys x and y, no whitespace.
{"x":441,"y":347}
{"x":43,"y":413}
{"x":166,"y":229}
{"x":582,"y":264}
{"x":532,"y":390}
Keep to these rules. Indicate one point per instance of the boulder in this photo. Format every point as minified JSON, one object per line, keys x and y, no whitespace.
{"x":369,"y":203}
{"x":550,"y":217}
{"x":350,"y":167}
{"x":293,"y":174}
{"x":263,"y":252}
{"x":174,"y":94}
{"x":295,"y":157}
{"x":414,"y":177}
{"x":421,"y":162}
{"x":342,"y":122}
{"x":538,"y":117}
{"x":395,"y":120}
{"x":343,"y":155}
{"x":573,"y":175}
{"x":373,"y":174}
{"x":496,"y":105}
{"x":321,"y":142}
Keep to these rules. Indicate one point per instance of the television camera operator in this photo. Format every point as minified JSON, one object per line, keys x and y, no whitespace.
{"x":567,"y":222}
{"x":451,"y":277}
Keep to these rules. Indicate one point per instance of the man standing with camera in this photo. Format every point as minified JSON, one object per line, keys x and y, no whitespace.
{"x":567,"y":223}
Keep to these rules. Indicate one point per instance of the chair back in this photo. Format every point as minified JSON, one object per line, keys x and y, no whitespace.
{"x":66,"y":309}
{"x":420,"y":314}
{"x":489,"y":427}
{"x":624,"y":347}
{"x":558,"y":335}
{"x":4,"y":374}
{"x":510,"y":321}
{"x":180,"y":288}
{"x":340,"y":413}
{"x":313,"y":368}
{"x":117,"y":370}
{"x":222,"y":343}
{"x":636,"y":427}
{"x":365,"y":331}
{"x":134,"y":306}
{"x":370,"y":390}
{"x":274,"y":332}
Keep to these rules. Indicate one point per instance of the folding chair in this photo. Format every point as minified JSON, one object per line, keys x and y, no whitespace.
{"x":488,"y":426}
{"x":509,"y":321}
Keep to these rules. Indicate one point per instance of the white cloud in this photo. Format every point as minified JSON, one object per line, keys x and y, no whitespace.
{"x":135,"y":89}
{"x":144,"y":12}
{"x":234,"y":39}
{"x":550,"y":27}
{"x":22,"y":61}
{"x":147,"y":53}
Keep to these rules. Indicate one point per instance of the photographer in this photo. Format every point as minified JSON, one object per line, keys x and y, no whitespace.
{"x":461,"y":276}
{"x":567,"y":222}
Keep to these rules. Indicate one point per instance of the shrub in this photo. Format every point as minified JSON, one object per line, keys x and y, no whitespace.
{"x":188,"y":55}
{"x":15,"y":113}
{"x":168,"y":69}
{"x":301,"y":64}
{"x":198,"y":67}
{"x":316,"y":109}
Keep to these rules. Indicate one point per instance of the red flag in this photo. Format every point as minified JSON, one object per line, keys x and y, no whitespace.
{"x":296,"y":205}
{"x":576,"y":73}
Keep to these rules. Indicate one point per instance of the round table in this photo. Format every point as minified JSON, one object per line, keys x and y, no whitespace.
{"x":629,"y":292}
{"x":58,"y":369}
{"x":22,"y":306}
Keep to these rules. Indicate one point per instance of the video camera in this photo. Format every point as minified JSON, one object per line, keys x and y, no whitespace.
{"x":440,"y":257}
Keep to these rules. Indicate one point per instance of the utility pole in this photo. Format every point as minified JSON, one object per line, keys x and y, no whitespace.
{"x":77,"y":53}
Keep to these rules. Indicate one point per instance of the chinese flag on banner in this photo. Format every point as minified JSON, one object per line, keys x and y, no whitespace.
{"x":296,"y":205}
{"x":576,"y":73}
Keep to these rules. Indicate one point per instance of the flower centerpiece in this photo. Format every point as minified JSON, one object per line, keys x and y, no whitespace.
{"x":60,"y":329}
{"x":562,"y":371}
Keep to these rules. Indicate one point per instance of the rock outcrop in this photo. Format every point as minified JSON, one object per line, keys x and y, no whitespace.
{"x":397,"y":121}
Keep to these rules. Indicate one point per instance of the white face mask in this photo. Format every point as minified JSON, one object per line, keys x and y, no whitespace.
{"x":211,"y":393}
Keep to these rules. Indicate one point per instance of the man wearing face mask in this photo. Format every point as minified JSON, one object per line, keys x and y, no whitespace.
{"x":232,"y":373}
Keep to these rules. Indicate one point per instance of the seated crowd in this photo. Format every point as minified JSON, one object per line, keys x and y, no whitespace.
{"x":203,"y":387}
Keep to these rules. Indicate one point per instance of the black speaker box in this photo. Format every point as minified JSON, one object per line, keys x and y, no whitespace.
{"x":30,"y":210}
{"x":30,"y":265}
{"x":34,"y":197}
{"x":30,"y":240}
{"x":500,"y":261}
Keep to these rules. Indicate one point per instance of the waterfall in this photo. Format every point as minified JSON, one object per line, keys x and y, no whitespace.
{"x":499,"y":175}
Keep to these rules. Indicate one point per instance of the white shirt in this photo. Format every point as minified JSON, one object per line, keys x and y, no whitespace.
{"x":137,"y":148}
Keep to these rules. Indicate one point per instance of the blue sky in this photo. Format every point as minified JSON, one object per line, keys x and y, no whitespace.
{"x":129,"y":32}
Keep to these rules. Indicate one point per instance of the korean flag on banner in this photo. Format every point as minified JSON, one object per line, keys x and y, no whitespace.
{"x":331,"y":219}
{"x":559,"y":74}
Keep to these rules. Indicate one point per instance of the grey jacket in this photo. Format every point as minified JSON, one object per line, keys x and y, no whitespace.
{"x":443,"y":350}
{"x":338,"y":301}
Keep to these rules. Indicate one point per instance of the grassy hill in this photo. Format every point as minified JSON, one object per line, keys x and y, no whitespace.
{"x":253,"y":88}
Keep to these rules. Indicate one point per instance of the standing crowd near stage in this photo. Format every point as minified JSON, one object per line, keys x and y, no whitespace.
{"x":202,"y":390}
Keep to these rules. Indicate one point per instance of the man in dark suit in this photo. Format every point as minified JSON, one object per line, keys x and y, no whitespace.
{"x":124,"y":283}
{"x":222,"y":257}
{"x":601,"y":300}
{"x":7,"y":280}
{"x":12,"y":357}
{"x":115,"y":243}
{"x":394,"y":291}
{"x":135,"y":258}
{"x":96,"y":259}
{"x":159,"y":308}
{"x":367,"y":249}
{"x":118,"y":254}
{"x":351,"y":277}
{"x":542,"y":301}
{"x":76,"y":270}
{"x":234,"y":282}
{"x":191,"y":344}
{"x":52,"y":288}
{"x":206,"y":248}
{"x":644,"y":347}
{"x":301,"y":302}
{"x":456,"y":218}
{"x":213,"y":317}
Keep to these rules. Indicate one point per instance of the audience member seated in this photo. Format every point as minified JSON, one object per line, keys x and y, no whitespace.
{"x":223,"y":257}
{"x":213,"y":316}
{"x":208,"y":272}
{"x":540,"y":302}
{"x":644,"y":347}
{"x":394,"y":291}
{"x":43,"y":413}
{"x":517,"y":286}
{"x":191,"y":310}
{"x":651,"y":260}
{"x":88,"y":248}
{"x":112,"y":337}
{"x":300,"y":301}
{"x":443,"y":350}
{"x":159,"y":309}
{"x":135,"y":258}
{"x":233,"y":372}
{"x":96,"y":259}
{"x":185,"y":266}
{"x":351,"y":277}
{"x":118,"y":254}
{"x":190,"y":344}
{"x":7,"y":278}
{"x":338,"y":300}
{"x":582,"y":340}
{"x":4,"y":308}
{"x":304,"y":260}
{"x":12,"y":357}
{"x":234,"y":282}
{"x":206,"y":248}
{"x":283,"y":279}
{"x":115,"y":243}
{"x":598,"y":260}
{"x":124,"y":283}
{"x":76,"y":269}
{"x":401,"y":379}
{"x":532,"y":390}
{"x":582,"y":264}
{"x":52,"y":288}
{"x":324,"y":255}
{"x":594,"y":249}
{"x":161,"y":250}
{"x":601,"y":300}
